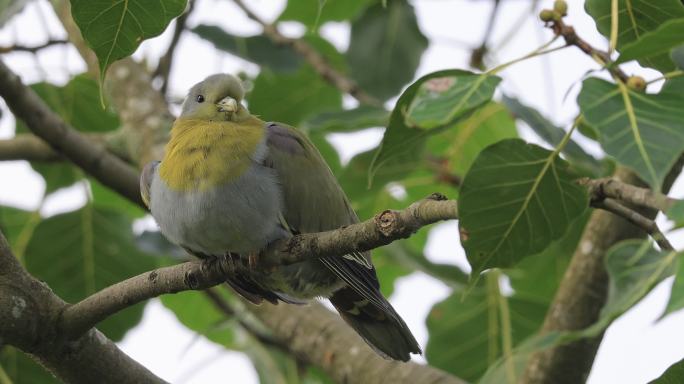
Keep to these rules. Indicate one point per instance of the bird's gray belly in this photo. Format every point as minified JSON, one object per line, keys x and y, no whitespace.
{"x":239,"y":217}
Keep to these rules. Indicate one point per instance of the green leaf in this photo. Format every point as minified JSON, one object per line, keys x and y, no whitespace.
{"x":457,"y":94}
{"x":105,"y":198}
{"x":349,"y":120}
{"x":655,"y":43}
{"x":515,"y":201}
{"x":676,"y":213}
{"x":77,"y":104}
{"x":553,"y":135}
{"x":258,"y":49}
{"x":115,"y":29}
{"x":673,"y":375}
{"x":81,"y":252}
{"x":195,"y":311}
{"x":20,"y":368}
{"x":676,"y":301}
{"x":16,"y":224}
{"x":313,"y":13}
{"x":476,"y":323}
{"x":461,"y":143}
{"x":642,"y":131}
{"x":678,"y":56}
{"x":634,"y":267}
{"x":292,"y":97}
{"x":635,"y":19}
{"x":385,"y":48}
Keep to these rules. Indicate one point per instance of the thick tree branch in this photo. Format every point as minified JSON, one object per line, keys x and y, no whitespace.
{"x":29,"y":322}
{"x":600,"y":189}
{"x":315,"y":59}
{"x":382,"y":229}
{"x":42,"y":121}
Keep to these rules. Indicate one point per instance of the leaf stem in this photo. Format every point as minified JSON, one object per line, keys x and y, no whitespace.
{"x":613,"y":26}
{"x":506,"y":331}
{"x":537,"y":52}
{"x":667,"y":76}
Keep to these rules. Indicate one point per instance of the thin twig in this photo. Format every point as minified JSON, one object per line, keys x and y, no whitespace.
{"x":571,"y":38}
{"x":600,"y":189}
{"x":382,"y":229}
{"x":166,"y":61}
{"x":34,"y":49}
{"x":311,"y":56}
{"x":478,"y":54}
{"x":649,"y":226}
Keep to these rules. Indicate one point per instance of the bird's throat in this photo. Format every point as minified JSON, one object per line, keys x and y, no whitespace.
{"x":204,"y":154}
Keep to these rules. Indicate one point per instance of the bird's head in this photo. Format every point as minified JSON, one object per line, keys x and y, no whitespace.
{"x":218,"y":97}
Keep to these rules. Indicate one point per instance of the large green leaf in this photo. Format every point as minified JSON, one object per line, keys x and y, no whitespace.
{"x":114,"y":29}
{"x":461,"y":143}
{"x":349,"y":120}
{"x":292,"y":97}
{"x":81,"y":252}
{"x":257,"y":49}
{"x":673,"y":375}
{"x":20,"y":368}
{"x":676,"y":301}
{"x":655,"y":43}
{"x":385,"y":48}
{"x":636,"y":18}
{"x":642,"y":131}
{"x":553,"y":135}
{"x":466,"y":334}
{"x":313,"y":13}
{"x":515,"y":201}
{"x":455,"y":93}
{"x":17,"y":226}
{"x":676,"y":213}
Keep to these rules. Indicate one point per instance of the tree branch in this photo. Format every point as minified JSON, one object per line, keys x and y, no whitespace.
{"x":311,"y":56}
{"x":600,"y":189}
{"x":34,"y":49}
{"x":648,"y":225}
{"x":27,"y":147}
{"x":42,"y":121}
{"x":29,"y":322}
{"x":382,"y":229}
{"x":164,"y":66}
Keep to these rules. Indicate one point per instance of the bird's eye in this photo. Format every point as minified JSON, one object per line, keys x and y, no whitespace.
{"x":200,"y":99}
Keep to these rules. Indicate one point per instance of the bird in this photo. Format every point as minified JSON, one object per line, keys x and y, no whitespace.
{"x":230,"y":184}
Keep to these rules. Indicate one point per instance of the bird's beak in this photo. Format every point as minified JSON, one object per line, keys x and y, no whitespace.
{"x":227,"y":104}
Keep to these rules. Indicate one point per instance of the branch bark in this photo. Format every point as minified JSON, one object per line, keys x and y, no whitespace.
{"x":600,"y":189}
{"x":30,"y":323}
{"x":384,"y":228}
{"x":93,"y":158}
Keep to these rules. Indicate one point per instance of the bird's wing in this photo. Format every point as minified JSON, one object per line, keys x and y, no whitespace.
{"x":314,"y":202}
{"x":146,"y":181}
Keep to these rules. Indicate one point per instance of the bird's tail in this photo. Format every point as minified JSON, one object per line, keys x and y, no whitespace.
{"x":381,"y":328}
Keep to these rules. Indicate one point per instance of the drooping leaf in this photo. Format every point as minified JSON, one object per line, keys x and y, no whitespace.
{"x":466,"y":334}
{"x":458,"y":93}
{"x":676,"y":301}
{"x":553,"y":135}
{"x":654,"y":44}
{"x":114,"y":29}
{"x":22,"y":369}
{"x":673,"y":375}
{"x":676,"y":213}
{"x":81,"y":252}
{"x":313,"y":13}
{"x":635,"y":19}
{"x":292,"y":97}
{"x":385,"y":48}
{"x":642,"y":131}
{"x":515,"y":201}
{"x":349,"y":120}
{"x":258,"y":49}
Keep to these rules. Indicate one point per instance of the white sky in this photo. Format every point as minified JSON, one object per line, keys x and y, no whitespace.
{"x":636,"y":349}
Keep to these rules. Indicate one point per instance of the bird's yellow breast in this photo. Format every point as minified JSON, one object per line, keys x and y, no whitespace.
{"x":203,"y":154}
